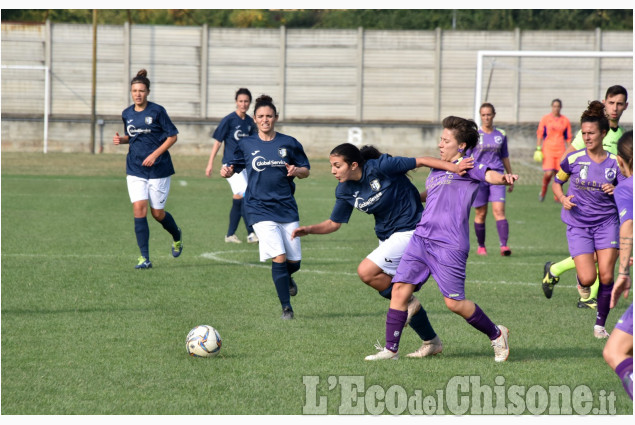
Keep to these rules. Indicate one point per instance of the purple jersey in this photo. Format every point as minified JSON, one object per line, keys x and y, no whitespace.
{"x":586,"y":177}
{"x":491,"y":149}
{"x":445,"y":219}
{"x":624,"y":199}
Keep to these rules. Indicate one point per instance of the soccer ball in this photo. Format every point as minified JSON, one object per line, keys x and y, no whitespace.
{"x":203,"y":341}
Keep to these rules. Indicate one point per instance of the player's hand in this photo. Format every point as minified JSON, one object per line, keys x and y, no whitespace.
{"x":116,"y":139}
{"x":622,"y":286}
{"x":291,"y":170}
{"x":510,"y":188}
{"x":300,"y":231}
{"x":538,"y":154}
{"x":209,"y":170}
{"x":149,"y":161}
{"x":608,"y":188}
{"x":509,"y":179}
{"x":566,"y":202}
{"x":464,"y":165}
{"x":227,"y":171}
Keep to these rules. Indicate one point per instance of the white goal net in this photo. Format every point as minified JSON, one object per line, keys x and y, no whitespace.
{"x":25,"y":89}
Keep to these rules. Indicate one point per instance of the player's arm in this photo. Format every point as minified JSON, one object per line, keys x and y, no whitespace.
{"x":120,"y":140}
{"x":210,"y":163}
{"x":508,"y":169}
{"x":149,"y":161}
{"x":423,"y":195}
{"x":323,"y":228}
{"x":439,"y":164}
{"x":494,"y":177}
{"x":623,"y":282}
{"x":299,"y":172}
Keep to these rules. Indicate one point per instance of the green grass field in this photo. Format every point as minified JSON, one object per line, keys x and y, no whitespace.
{"x":83,"y":332}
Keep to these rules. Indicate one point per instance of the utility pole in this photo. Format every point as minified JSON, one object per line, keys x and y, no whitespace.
{"x":94,"y":85}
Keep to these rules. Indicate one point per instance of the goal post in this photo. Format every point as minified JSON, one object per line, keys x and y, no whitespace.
{"x":47,"y":82}
{"x":481,"y":54}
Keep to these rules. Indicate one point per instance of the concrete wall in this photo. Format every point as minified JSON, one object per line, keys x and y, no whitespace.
{"x":392,"y":84}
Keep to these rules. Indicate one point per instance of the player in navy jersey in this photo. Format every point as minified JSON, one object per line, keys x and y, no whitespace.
{"x":492,"y":151}
{"x":377,"y":184}
{"x":618,"y":351}
{"x":272,"y":160}
{"x":589,"y":210}
{"x":440,"y":245}
{"x":149,"y":132}
{"x":230,"y":130}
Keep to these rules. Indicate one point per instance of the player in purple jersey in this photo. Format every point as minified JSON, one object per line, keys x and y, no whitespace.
{"x":149,"y":134}
{"x":272,"y":160}
{"x":615,"y":103}
{"x":440,"y":246}
{"x":589,"y":211}
{"x":378,"y":184}
{"x":618,"y":351}
{"x":492,"y":151}
{"x":230,"y":130}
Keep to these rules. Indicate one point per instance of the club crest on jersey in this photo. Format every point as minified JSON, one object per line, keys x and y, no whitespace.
{"x":148,"y":120}
{"x":282,"y":152}
{"x":584,"y":172}
{"x":610,"y":173}
{"x":498,"y":140}
{"x":375,"y":185}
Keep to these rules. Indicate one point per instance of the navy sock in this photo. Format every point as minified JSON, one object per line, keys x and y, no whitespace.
{"x":387,"y":293}
{"x":142,"y":231}
{"x":234,"y":216}
{"x":422,"y":326}
{"x":169,"y":224}
{"x":293,"y":267}
{"x":281,"y":279}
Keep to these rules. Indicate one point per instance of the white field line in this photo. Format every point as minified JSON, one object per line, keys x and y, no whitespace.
{"x":218,"y":257}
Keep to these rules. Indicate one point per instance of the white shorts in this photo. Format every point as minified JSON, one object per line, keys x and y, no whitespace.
{"x":275,"y":239}
{"x":388,"y":254}
{"x":238,"y":183}
{"x":156,"y":190}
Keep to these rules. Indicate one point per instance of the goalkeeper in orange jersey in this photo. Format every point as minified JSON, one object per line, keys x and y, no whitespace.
{"x":554,"y":135}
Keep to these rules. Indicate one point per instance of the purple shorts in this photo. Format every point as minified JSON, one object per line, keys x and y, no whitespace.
{"x":423,"y":258}
{"x":625,"y":323}
{"x":489,"y":193}
{"x":587,"y":240}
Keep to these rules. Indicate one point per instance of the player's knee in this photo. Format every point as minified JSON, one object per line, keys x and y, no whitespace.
{"x":453,"y":305}
{"x":401,"y":292}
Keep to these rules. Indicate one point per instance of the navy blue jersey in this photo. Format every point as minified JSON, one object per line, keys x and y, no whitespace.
{"x":148,"y":129}
{"x":383,"y":191}
{"x":269,"y":194}
{"x":231,"y":129}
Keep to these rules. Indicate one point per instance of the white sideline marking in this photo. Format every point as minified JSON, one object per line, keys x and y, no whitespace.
{"x":216,"y":257}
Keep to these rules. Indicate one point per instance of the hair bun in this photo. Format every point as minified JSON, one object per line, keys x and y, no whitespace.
{"x":142,"y":73}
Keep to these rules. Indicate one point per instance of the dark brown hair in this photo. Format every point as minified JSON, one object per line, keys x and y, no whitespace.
{"x":595,"y":113}
{"x":141,"y":77}
{"x":465,"y":131}
{"x":265,"y":100}
{"x":625,"y":149}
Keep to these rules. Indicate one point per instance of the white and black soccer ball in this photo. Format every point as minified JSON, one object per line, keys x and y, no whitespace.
{"x":203,"y":341}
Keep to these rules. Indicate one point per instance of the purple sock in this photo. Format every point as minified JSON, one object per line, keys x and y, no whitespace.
{"x":479,"y":229}
{"x":624,"y":371}
{"x":395,"y":321}
{"x":480,"y":321}
{"x":604,"y":303}
{"x":503,"y":231}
